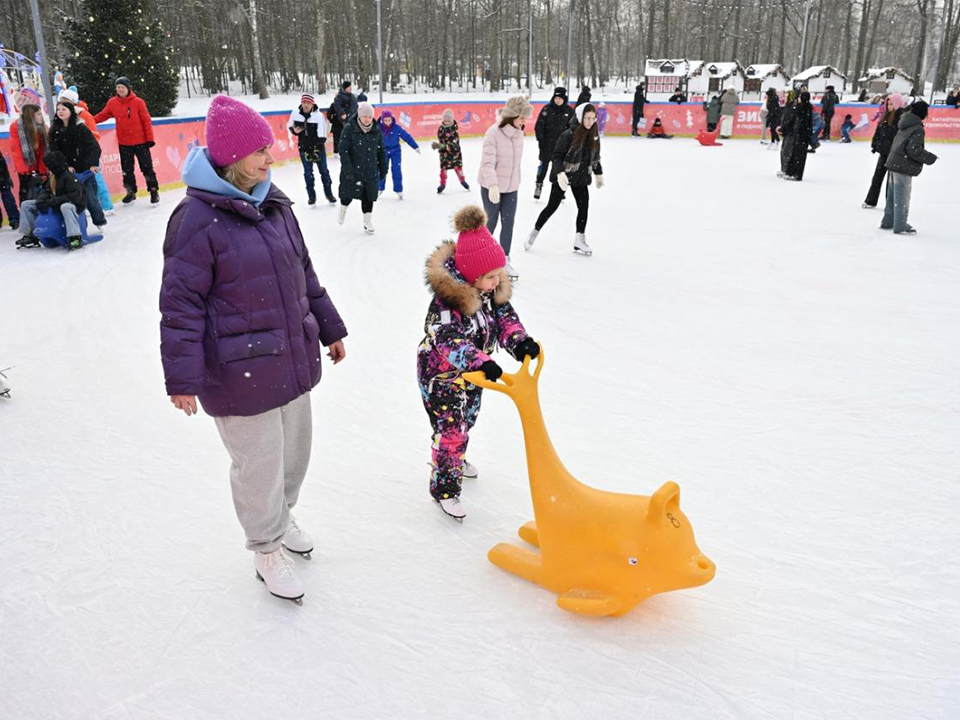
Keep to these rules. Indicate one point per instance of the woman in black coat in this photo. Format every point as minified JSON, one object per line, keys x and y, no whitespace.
{"x":800,"y":128}
{"x":883,"y":136}
{"x":576,"y":161}
{"x":363,"y":161}
{"x":70,"y":136}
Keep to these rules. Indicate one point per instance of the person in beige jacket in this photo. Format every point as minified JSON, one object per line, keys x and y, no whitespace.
{"x":728,"y":108}
{"x":500,"y":170}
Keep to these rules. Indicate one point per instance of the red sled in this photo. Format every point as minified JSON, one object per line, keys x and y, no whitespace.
{"x":709,"y":139}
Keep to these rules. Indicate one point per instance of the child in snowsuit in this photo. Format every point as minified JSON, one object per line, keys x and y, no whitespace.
{"x":657,"y":132}
{"x":448,"y":143}
{"x":9,"y":202}
{"x":469,"y":316}
{"x":846,"y":128}
{"x":392,"y":135}
{"x":61,"y":192}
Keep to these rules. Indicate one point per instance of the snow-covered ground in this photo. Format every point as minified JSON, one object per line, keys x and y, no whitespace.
{"x":794,"y":368}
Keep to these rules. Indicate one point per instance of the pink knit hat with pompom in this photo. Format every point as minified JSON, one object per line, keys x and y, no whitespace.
{"x":234,"y":130}
{"x":477,"y":252}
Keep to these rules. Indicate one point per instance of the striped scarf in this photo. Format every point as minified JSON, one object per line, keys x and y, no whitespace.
{"x":26,"y":147}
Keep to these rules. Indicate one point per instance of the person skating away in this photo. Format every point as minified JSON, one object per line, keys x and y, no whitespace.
{"x":336,"y":127}
{"x":61,"y":193}
{"x":363,"y":161}
{"x":728,"y":107}
{"x":576,"y":160}
{"x":657,"y":132}
{"x":243,"y":318}
{"x":392,"y":135}
{"x":310,"y":128}
{"x":500,"y":165}
{"x":800,"y":128}
{"x":584,"y":96}
{"x":345,"y":106}
{"x":713,"y":108}
{"x":639,"y":100}
{"x":103,"y":194}
{"x":817,"y":126}
{"x":28,"y":144}
{"x":448,"y":144}
{"x":907,"y":157}
{"x":845,"y":129}
{"x":6,"y":193}
{"x":774,"y":112}
{"x":828,"y":104}
{"x":469,"y":316}
{"x":551,"y":123}
{"x":135,"y":138}
{"x":786,"y":122}
{"x":881,"y":143}
{"x":71,"y":136}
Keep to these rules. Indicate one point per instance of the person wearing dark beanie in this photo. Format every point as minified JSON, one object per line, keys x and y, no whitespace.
{"x":135,"y":138}
{"x":344,"y":107}
{"x":469,"y":316}
{"x":906,"y":159}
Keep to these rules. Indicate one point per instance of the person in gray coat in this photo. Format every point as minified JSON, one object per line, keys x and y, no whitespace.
{"x":905,"y":161}
{"x":728,"y":107}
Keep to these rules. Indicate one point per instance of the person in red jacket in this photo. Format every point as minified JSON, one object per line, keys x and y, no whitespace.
{"x":135,"y":138}
{"x":28,"y":144}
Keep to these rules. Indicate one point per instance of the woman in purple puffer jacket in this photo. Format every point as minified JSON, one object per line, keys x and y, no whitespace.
{"x":243,"y":318}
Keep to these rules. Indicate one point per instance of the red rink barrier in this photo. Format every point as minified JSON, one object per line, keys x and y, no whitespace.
{"x":176,"y":136}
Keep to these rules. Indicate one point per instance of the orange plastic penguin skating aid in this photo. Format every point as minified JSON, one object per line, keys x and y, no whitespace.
{"x":601,"y":552}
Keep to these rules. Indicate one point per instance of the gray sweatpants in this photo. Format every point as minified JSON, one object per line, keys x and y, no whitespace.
{"x":270,"y":454}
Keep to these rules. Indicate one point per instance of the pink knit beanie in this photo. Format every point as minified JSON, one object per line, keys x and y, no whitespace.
{"x":234,"y":130}
{"x":477,"y":252}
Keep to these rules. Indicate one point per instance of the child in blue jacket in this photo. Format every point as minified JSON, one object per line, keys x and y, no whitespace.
{"x":846,"y":128}
{"x":392,"y":135}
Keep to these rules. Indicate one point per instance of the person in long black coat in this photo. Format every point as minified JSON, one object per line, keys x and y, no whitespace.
{"x":786,"y":121}
{"x":800,"y":129}
{"x":551,"y":123}
{"x":883,"y":136}
{"x":363,"y":161}
{"x":344,"y":107}
{"x":639,"y":100}
{"x":773,"y":114}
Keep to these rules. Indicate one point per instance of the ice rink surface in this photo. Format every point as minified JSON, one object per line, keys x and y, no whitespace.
{"x":794,"y":368}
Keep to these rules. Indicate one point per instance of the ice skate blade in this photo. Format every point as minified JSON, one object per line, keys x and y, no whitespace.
{"x":298,"y":600}
{"x":585,"y":253}
{"x":306,"y":554}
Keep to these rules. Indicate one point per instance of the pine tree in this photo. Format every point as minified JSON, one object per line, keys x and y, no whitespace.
{"x":113,"y":38}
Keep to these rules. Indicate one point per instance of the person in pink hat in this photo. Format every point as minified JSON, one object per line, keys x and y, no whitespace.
{"x":469,"y":316}
{"x":243,"y":317}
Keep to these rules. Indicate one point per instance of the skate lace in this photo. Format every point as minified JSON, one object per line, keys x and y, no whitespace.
{"x":281,"y":563}
{"x":293,"y":528}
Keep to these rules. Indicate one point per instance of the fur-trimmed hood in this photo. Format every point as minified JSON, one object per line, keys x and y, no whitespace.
{"x":442,"y":277}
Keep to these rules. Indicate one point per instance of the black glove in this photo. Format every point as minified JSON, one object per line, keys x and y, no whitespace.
{"x":151,"y":144}
{"x":527,"y":346}
{"x":42,"y":207}
{"x":491,"y":370}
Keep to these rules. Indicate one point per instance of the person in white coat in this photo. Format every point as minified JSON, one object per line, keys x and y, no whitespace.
{"x":309,"y":126}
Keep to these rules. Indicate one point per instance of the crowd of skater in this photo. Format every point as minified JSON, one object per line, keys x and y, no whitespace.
{"x":225,"y":320}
